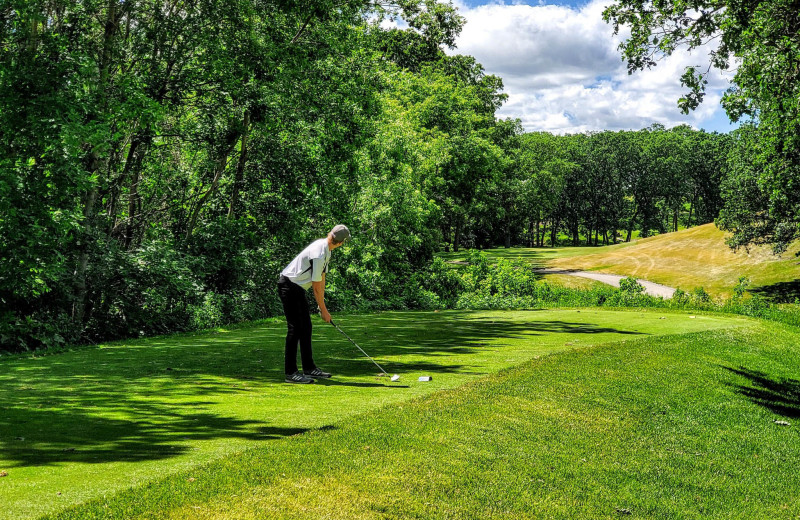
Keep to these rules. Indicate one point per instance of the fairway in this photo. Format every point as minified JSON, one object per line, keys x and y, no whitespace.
{"x":84,"y":424}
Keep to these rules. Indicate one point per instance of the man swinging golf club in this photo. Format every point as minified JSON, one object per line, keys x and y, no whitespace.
{"x":306,"y":270}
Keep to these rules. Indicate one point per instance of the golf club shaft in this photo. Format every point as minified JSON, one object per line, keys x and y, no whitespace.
{"x":359,"y":348}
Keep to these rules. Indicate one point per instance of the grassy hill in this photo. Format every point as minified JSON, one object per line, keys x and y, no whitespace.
{"x":695,"y":257}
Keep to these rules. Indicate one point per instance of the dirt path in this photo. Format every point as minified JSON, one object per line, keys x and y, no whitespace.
{"x":650,"y":288}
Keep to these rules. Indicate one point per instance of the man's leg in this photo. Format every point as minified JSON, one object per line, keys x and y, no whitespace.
{"x":294,"y":307}
{"x":305,"y":340}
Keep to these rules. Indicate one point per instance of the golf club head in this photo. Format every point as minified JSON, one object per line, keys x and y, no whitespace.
{"x":395,"y":377}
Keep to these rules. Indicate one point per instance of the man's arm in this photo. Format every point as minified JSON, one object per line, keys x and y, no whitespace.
{"x":319,"y":295}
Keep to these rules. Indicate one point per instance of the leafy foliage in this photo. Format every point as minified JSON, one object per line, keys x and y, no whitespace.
{"x":160,"y":162}
{"x":761,"y":36}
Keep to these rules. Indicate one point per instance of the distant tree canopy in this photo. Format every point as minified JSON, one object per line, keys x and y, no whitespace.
{"x":599,"y":184}
{"x":762,"y":37}
{"x":161,"y":161}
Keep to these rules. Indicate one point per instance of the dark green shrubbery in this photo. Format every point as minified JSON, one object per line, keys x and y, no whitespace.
{"x":156,"y":290}
{"x":161,"y":287}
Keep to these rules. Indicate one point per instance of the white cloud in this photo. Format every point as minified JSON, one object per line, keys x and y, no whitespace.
{"x":563,"y":72}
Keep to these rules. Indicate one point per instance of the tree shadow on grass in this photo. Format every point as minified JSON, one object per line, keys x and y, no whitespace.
{"x":781,"y":292}
{"x":780,"y":396}
{"x":151,"y":400}
{"x":99,"y":440}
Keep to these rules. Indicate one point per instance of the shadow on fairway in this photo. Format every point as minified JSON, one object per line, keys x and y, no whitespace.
{"x":150,"y":400}
{"x":781,"y":292}
{"x":94,"y":440}
{"x":453,"y":332}
{"x":780,"y":396}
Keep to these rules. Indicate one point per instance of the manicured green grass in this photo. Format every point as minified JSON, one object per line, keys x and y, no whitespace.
{"x":678,"y":426}
{"x":89,"y":423}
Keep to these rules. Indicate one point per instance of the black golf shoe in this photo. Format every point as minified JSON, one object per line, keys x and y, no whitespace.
{"x":298,"y":378}
{"x":317,"y":373}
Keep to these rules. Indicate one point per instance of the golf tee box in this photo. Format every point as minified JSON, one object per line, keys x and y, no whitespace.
{"x":425,"y":378}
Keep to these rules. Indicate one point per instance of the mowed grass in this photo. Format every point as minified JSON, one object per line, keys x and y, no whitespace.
{"x":87,"y":424}
{"x":682,"y":426}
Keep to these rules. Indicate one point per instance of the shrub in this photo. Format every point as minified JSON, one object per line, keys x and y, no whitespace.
{"x":444,"y":281}
{"x":631,"y":286}
{"x":741,"y":287}
{"x":699,"y":296}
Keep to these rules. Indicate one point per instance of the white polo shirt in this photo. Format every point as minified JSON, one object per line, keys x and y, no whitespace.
{"x":309,"y":265}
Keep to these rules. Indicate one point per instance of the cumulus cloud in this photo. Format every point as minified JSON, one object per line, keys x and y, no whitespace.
{"x":563,"y":73}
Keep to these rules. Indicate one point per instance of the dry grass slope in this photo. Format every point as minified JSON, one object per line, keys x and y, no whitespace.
{"x":696,"y":257}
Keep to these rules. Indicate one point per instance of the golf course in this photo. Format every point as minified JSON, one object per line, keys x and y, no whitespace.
{"x":546,"y":413}
{"x":399,"y":259}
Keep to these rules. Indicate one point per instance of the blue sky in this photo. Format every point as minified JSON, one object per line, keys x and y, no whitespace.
{"x":563,"y":73}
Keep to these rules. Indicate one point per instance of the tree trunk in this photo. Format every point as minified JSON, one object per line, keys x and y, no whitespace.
{"x":222,"y":163}
{"x":530,"y":233}
{"x":542,"y":234}
{"x":97,"y":167}
{"x":80,"y":291}
{"x":631,"y":224}
{"x":133,"y":205}
{"x":238,"y":179}
{"x":134,"y":201}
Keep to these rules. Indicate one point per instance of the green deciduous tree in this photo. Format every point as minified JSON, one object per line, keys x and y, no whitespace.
{"x":762,"y":38}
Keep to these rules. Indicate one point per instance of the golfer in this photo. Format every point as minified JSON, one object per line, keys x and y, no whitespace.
{"x":306,"y":270}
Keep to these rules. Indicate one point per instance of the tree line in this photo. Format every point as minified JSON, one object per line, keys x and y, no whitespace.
{"x":160,"y":162}
{"x":601,"y":187}
{"x":761,"y":39}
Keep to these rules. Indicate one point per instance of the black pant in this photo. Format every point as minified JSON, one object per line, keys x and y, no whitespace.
{"x":298,"y":322}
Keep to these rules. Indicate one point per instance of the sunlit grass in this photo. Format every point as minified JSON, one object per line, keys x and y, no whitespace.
{"x":696,"y":257}
{"x":88,"y":423}
{"x":537,"y":256}
{"x":679,"y":426}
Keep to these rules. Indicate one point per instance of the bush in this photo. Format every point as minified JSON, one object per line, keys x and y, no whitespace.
{"x":699,"y":296}
{"x":444,"y":281}
{"x":631,"y":286}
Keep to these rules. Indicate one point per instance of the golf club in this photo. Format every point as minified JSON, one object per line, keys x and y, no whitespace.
{"x":394,"y":377}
